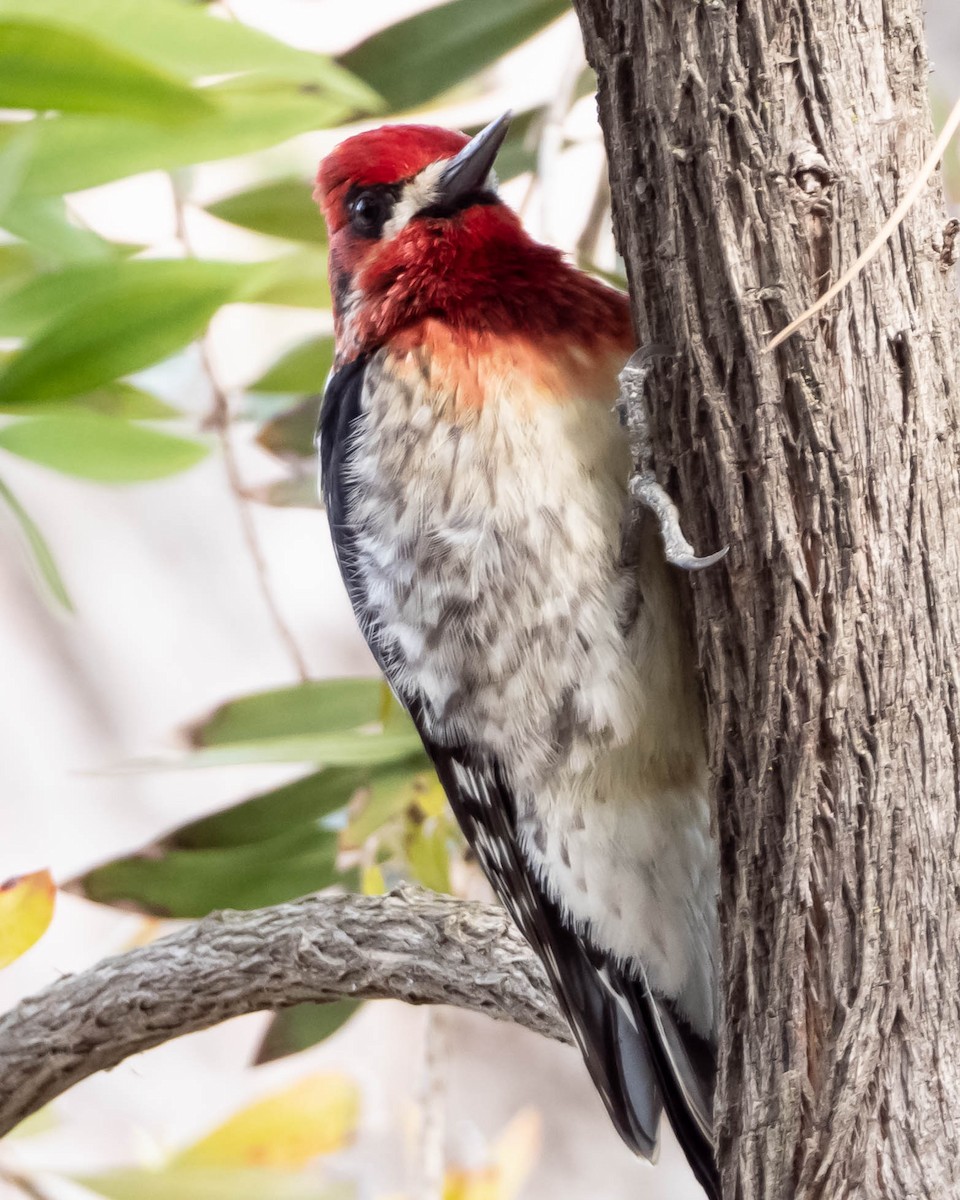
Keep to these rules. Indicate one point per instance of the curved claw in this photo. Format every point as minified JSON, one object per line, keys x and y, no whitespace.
{"x":690,"y":562}
{"x":646,"y":490}
{"x":644,"y":487}
{"x":639,"y":358}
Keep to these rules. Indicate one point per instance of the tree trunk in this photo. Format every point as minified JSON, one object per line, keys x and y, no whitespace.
{"x":755,"y":148}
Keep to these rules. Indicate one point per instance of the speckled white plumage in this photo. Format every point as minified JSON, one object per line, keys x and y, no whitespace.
{"x":489,"y":553}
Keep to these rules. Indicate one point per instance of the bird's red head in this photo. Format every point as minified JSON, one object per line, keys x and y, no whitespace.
{"x":418,"y":233}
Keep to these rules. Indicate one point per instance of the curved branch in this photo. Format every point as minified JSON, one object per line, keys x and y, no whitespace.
{"x":411,"y":945}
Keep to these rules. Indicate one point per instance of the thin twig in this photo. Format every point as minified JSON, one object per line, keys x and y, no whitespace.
{"x":219,"y":421}
{"x":23,"y":1184}
{"x":888,"y":227}
{"x":550,"y":141}
{"x":598,"y":219}
{"x":433,"y":1100}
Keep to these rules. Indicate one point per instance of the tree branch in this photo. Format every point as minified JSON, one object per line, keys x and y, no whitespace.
{"x":411,"y":945}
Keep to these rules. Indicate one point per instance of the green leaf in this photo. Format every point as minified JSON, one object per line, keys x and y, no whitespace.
{"x":43,"y":66}
{"x":18,"y":264}
{"x":122,"y":399}
{"x":214,"y":1183}
{"x":350,"y":748}
{"x":292,"y":433}
{"x":46,"y":225}
{"x":118,"y":399}
{"x":41,"y":555}
{"x":192,"y":883}
{"x":74,"y":151}
{"x":304,"y":801}
{"x":100,"y":448}
{"x":391,"y":792}
{"x":15,"y":154}
{"x":321,"y":706}
{"x":291,"y":279}
{"x":302,"y":1026}
{"x":298,"y":280}
{"x":302,"y":370}
{"x":333,"y":722}
{"x":25,"y":311}
{"x":135,"y":315}
{"x":283,"y":209}
{"x":418,"y":58}
{"x":186,"y":40}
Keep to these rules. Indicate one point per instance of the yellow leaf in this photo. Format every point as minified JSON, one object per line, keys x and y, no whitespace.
{"x":26,"y":909}
{"x":372,"y":882}
{"x":472,"y":1185}
{"x":514,"y":1156}
{"x":429,"y":856}
{"x":432,"y":800}
{"x":318,"y":1115}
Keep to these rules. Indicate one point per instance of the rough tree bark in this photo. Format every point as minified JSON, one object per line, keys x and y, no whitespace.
{"x":755,"y":147}
{"x":412,"y":945}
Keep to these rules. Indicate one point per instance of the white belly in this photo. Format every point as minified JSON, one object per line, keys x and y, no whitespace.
{"x":489,"y":554}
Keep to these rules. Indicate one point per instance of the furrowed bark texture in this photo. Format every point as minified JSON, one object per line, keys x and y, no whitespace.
{"x":416,"y":946}
{"x":755,"y":148}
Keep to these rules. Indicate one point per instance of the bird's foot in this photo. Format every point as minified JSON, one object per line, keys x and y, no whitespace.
{"x":645,"y":489}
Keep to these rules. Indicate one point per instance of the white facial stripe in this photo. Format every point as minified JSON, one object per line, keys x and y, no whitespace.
{"x":420,"y":193}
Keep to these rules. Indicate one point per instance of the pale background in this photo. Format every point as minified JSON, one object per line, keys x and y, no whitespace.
{"x":169,"y":621}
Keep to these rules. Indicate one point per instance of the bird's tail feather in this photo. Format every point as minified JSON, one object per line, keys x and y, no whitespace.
{"x":643,"y":1058}
{"x":658,"y":1052}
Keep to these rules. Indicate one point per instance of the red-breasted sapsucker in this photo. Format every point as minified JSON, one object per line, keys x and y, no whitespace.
{"x":476,"y":481}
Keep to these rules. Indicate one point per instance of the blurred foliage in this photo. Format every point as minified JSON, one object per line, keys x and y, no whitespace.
{"x":373,"y":800}
{"x":302,"y":1026}
{"x":317,"y":1115}
{"x":257,"y":1154}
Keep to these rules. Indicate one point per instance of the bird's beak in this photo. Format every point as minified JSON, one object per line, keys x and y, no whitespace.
{"x":468,"y":171}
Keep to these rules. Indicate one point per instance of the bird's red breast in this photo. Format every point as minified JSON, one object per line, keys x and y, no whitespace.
{"x":463,"y":366}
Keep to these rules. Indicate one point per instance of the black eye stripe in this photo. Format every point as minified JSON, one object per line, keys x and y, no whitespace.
{"x":469,"y":200}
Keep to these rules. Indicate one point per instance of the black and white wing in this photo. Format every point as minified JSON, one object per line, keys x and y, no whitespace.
{"x":641,"y":1056}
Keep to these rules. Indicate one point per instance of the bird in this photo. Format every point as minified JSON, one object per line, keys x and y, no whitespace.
{"x":475,"y":475}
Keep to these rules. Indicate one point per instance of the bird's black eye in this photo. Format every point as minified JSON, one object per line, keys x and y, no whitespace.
{"x":368,"y":211}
